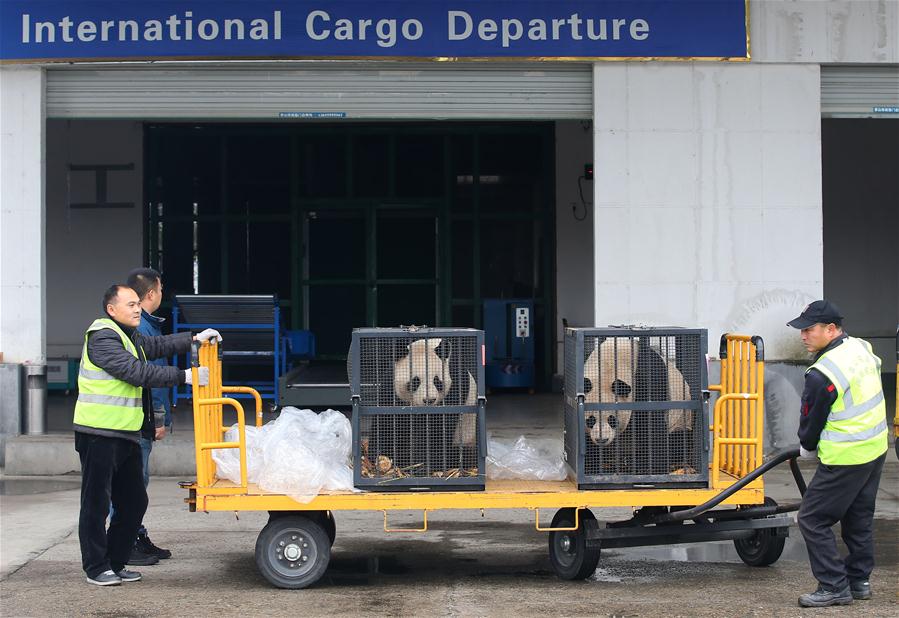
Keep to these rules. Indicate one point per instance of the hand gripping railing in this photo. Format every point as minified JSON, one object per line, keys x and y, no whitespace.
{"x":208,"y":428}
{"x":738,"y":418}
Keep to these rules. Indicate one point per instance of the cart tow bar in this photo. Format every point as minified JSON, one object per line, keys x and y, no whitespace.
{"x":790,"y":453}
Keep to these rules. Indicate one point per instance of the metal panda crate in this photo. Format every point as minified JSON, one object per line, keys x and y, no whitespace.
{"x":635,"y":407}
{"x":418,"y":408}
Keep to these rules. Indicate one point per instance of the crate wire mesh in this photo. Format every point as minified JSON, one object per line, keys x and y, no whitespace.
{"x":418,"y":408}
{"x":635,"y":412}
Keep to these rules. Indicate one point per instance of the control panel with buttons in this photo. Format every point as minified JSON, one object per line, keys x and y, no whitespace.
{"x":522,"y":319}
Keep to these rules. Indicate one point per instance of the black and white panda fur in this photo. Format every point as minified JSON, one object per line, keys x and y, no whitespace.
{"x":623,"y":369}
{"x":429,"y":373}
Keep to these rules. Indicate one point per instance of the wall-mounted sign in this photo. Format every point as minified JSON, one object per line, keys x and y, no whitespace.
{"x":94,"y":30}
{"x":307,"y":115}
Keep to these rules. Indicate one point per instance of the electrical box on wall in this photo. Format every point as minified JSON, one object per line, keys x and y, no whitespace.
{"x":62,"y":374}
{"x":509,"y":343}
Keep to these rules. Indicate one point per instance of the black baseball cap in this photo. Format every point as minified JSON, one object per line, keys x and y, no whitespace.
{"x":818,"y":312}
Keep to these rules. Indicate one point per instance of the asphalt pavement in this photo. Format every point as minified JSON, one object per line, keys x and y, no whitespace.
{"x":466,"y":565}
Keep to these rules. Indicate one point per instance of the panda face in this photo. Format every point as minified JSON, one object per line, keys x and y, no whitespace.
{"x":604,"y":427}
{"x":422,"y":377}
{"x":609,"y":377}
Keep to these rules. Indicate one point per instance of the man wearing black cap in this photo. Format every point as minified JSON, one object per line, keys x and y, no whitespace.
{"x":843,"y":423}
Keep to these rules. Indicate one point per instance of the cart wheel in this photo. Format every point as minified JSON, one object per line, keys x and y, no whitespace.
{"x":763,"y":548}
{"x":569,"y":552}
{"x":325,"y":518}
{"x":292,"y":551}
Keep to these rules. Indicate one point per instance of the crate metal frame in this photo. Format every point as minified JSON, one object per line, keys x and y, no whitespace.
{"x":361,"y":411}
{"x":576,"y":408}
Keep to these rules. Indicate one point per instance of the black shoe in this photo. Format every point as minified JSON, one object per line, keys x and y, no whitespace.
{"x":139,"y":557}
{"x":146,"y":545}
{"x":861,"y":590}
{"x":106,"y":578}
{"x":128,"y":576}
{"x":822,"y":597}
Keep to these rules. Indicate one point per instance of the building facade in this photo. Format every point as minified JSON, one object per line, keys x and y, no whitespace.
{"x":726,"y":193}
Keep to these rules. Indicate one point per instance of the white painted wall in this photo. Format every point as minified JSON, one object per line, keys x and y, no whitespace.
{"x":22,"y":268}
{"x":89,"y":249}
{"x":708,"y":197}
{"x":824,"y":31}
{"x":574,"y":238}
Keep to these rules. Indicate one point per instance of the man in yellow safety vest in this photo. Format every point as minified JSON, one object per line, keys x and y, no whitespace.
{"x":113,"y":406}
{"x":843,"y":423}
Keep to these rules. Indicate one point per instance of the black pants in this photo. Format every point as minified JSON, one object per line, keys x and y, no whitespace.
{"x":844,"y":494}
{"x":111,"y":471}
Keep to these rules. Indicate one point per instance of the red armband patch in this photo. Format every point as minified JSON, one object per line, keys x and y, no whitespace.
{"x":831,"y":388}
{"x":804,"y":409}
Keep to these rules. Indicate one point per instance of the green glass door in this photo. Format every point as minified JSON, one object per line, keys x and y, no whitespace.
{"x":368,"y":265}
{"x":335,"y":282}
{"x":406,"y":286}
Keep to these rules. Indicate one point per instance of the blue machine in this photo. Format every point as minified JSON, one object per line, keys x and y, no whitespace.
{"x":509,"y":342}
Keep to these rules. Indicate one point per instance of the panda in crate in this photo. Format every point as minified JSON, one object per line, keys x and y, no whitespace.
{"x":638,"y":442}
{"x":427,"y":372}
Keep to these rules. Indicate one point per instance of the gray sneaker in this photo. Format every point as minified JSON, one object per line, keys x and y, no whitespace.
{"x":106,"y":578}
{"x":128,"y":576}
{"x":822,"y":597}
{"x":861,"y":591}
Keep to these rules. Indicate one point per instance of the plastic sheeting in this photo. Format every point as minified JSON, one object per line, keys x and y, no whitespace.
{"x":530,"y":459}
{"x":298,"y":454}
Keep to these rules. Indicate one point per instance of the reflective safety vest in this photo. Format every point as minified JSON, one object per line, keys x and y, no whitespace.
{"x":856,"y":429}
{"x":105,"y":402}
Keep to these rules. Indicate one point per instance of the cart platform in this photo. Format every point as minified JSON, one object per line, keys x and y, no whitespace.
{"x":225,"y":495}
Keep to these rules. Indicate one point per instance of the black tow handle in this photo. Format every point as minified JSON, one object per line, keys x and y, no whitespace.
{"x":788,"y":454}
{"x":194,"y":353}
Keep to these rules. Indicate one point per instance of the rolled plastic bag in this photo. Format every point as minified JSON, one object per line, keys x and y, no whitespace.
{"x":525,"y":459}
{"x":227,"y":460}
{"x":305,"y":452}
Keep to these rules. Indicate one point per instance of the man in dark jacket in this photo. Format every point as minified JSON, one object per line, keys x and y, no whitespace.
{"x":147,"y":283}
{"x":843,"y":424}
{"x":112,"y":409}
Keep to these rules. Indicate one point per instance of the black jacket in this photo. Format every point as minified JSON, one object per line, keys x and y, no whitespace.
{"x":105,"y":350}
{"x":818,"y":396}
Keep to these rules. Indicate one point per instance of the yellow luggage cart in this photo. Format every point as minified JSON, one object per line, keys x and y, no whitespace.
{"x":896,"y":393}
{"x":294,"y":548}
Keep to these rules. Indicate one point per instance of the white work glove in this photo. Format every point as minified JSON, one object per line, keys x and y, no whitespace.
{"x":202,"y":373}
{"x":807,"y":454}
{"x":208,"y":335}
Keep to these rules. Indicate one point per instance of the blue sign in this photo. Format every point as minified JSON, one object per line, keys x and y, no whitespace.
{"x":529,"y":29}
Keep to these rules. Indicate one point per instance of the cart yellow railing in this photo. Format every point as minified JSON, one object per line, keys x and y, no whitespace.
{"x":896,"y":393}
{"x":208,"y":429}
{"x":738,"y":418}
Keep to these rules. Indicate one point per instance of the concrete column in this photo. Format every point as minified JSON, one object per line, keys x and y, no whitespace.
{"x":22,"y":215}
{"x":708,"y":197}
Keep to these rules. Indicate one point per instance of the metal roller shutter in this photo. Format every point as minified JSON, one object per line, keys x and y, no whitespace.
{"x":860,"y":91}
{"x":399,"y":90}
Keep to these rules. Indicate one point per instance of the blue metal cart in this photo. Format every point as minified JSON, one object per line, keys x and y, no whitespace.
{"x":251,"y":331}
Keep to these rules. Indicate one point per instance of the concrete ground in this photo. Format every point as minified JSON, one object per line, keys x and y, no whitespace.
{"x":465,"y":565}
